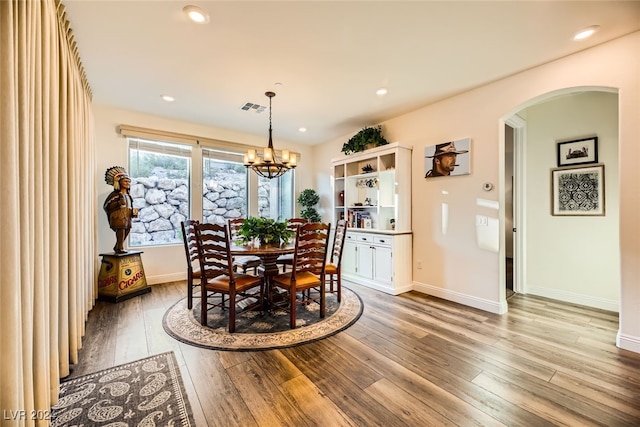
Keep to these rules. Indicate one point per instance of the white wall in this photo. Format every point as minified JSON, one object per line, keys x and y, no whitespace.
{"x":454,"y":267}
{"x":574,"y":259}
{"x":165,"y":263}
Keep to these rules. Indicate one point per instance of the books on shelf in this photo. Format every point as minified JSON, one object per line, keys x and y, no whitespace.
{"x":359,"y":219}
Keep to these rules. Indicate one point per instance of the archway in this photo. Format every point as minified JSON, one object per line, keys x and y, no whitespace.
{"x":575,"y":258}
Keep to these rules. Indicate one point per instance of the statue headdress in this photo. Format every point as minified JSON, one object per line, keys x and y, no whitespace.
{"x":113,"y":174}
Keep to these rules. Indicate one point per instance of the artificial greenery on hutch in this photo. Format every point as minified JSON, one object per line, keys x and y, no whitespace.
{"x":309,"y":199}
{"x":367,"y":137}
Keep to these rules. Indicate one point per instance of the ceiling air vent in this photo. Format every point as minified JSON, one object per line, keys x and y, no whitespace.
{"x":256,"y":108}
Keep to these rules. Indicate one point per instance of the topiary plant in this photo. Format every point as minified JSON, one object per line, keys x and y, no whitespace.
{"x":309,"y":199}
{"x":367,"y":136}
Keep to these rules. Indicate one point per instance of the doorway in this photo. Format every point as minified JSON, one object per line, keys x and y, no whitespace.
{"x":509,"y":197}
{"x":514,"y":202}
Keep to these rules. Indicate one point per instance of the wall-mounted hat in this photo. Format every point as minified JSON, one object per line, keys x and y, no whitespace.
{"x":113,"y":175}
{"x":447,"y":148}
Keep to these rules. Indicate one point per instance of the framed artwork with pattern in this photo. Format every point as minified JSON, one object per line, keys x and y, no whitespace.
{"x":578,"y":191}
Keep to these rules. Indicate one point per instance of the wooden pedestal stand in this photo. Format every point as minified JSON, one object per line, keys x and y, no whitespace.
{"x":121,"y":277}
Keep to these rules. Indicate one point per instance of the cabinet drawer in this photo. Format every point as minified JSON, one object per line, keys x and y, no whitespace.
{"x":382,"y":240}
{"x":364,"y":238}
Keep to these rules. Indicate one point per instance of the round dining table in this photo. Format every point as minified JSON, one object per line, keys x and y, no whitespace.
{"x":268,"y":255}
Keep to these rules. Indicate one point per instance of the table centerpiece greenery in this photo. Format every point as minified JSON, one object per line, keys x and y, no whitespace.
{"x":266,"y":230}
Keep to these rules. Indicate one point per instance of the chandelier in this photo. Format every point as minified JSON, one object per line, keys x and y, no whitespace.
{"x":269,"y":166}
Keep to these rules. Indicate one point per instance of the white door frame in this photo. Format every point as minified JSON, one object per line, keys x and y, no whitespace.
{"x":519,"y":202}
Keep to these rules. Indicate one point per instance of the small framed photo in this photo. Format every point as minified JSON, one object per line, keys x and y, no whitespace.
{"x":578,"y":191}
{"x":578,"y":152}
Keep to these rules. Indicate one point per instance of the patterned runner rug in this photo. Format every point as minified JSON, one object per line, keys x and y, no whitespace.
{"x":257,"y":331}
{"x":148,"y":392}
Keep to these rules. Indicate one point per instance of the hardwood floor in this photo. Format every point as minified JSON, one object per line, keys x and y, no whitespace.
{"x":410,"y":360}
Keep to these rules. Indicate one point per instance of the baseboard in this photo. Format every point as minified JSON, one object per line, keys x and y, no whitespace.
{"x":388,"y":289}
{"x":165,"y":278}
{"x":574,"y":298}
{"x":460,"y":298}
{"x":628,"y":342}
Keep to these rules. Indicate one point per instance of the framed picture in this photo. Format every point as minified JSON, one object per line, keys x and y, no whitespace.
{"x":578,"y":191}
{"x":578,"y":152}
{"x":448,"y":159}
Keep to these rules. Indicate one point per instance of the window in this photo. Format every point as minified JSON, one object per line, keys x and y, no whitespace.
{"x":160,"y":188}
{"x":164,"y":175}
{"x":275,"y":197}
{"x":224,"y":186}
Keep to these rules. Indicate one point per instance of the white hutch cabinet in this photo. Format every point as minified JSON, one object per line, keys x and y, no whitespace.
{"x":372,"y":191}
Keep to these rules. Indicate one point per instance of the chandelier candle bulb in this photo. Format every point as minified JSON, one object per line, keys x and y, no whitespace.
{"x":251,"y":154}
{"x":285,"y":156}
{"x":293,"y":160}
{"x":268,"y":155}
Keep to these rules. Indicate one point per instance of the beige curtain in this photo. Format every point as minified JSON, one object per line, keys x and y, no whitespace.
{"x":47,"y":214}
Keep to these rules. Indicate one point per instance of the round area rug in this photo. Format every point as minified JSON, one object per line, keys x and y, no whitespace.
{"x":257,"y":331}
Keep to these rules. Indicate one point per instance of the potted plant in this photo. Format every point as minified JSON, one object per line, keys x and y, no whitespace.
{"x":367,"y":137}
{"x":309,"y":199}
{"x":266,"y":230}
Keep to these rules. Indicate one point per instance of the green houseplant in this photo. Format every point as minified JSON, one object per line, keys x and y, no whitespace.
{"x":266,"y":230}
{"x":367,"y":137}
{"x":309,"y":199}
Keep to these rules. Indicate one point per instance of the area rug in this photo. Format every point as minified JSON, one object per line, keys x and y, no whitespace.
{"x":259,"y":331}
{"x":148,"y":392}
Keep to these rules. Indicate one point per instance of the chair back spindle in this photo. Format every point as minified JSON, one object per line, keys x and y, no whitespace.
{"x":191,"y":252}
{"x":333,"y":268}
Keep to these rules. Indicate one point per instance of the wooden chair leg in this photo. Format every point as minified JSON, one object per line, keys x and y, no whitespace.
{"x":292,"y":307}
{"x":339,"y":280}
{"x":189,"y":291}
{"x":203,"y":306}
{"x":232,"y":311}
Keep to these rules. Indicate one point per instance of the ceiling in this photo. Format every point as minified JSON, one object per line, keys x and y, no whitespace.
{"x":324,"y":59}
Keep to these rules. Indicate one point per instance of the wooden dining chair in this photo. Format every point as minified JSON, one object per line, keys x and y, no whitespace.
{"x":244,"y":262}
{"x":307,"y":275}
{"x":285,"y":260}
{"x":217,"y":275}
{"x":191,"y":251}
{"x":333,"y":268}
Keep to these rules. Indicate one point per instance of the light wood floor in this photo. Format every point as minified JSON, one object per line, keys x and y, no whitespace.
{"x":411,"y":360}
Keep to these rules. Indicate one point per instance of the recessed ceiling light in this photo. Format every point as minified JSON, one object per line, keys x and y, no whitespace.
{"x":381,"y":91}
{"x":302,"y":129}
{"x":196,"y":14}
{"x":167,"y":98}
{"x":586,"y":32}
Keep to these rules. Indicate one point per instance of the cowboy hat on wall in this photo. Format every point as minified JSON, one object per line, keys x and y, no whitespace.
{"x":448,"y":159}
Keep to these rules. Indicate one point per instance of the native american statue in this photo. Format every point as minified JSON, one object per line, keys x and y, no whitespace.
{"x":119,"y":205}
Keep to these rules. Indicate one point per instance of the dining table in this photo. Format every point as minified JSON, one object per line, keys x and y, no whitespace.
{"x":268,"y":268}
